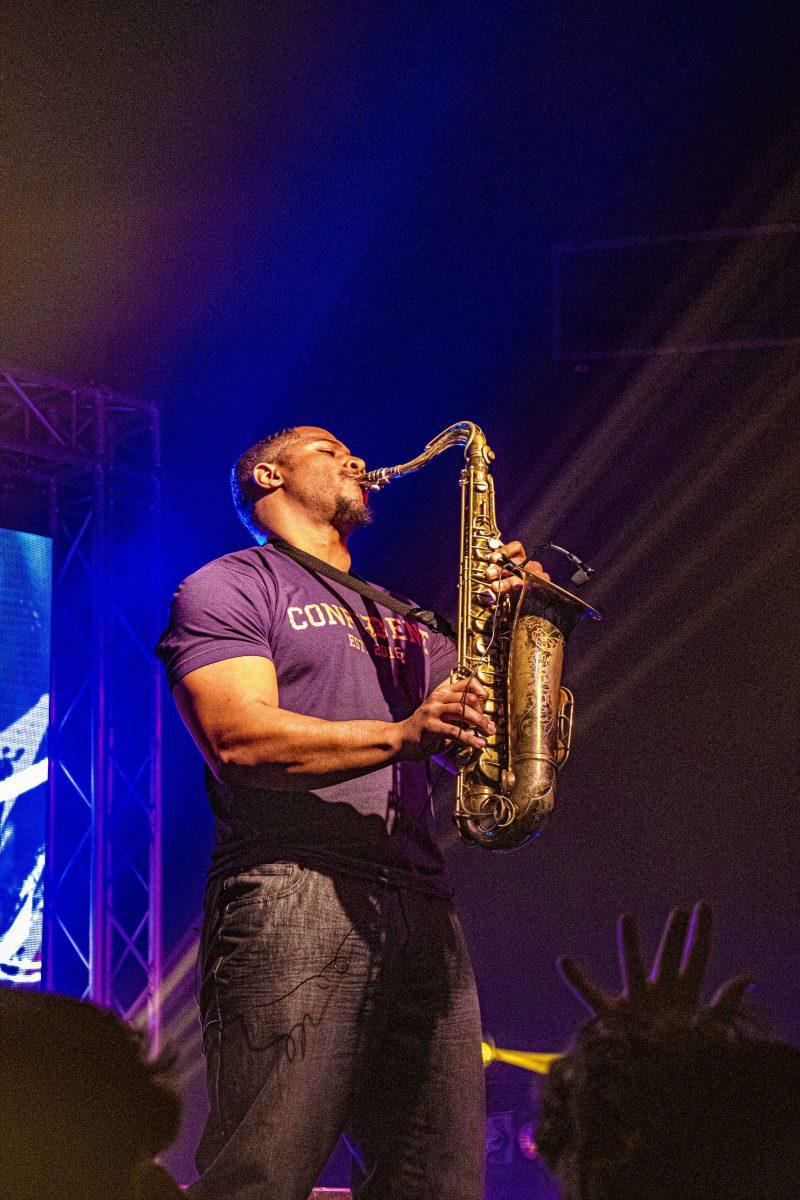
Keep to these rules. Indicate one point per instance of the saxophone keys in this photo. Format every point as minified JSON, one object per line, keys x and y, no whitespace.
{"x":489,"y":767}
{"x":479,"y":621}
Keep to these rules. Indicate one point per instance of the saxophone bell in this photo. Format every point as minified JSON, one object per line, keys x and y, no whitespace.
{"x":506,"y":797}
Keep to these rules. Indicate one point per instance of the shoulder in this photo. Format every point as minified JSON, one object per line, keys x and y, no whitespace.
{"x":223,"y":610}
{"x":243,"y":580}
{"x":256,"y":565}
{"x":252,"y":562}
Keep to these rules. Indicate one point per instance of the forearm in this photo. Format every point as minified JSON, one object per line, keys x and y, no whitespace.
{"x":286,"y":751}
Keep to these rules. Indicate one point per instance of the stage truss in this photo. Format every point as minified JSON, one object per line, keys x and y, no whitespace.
{"x":90,"y":459}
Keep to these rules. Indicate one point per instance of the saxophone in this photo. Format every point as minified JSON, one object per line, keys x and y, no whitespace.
{"x":514,"y":645}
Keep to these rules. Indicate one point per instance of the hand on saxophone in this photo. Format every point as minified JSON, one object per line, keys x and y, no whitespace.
{"x":502,"y":578}
{"x":451,"y":718}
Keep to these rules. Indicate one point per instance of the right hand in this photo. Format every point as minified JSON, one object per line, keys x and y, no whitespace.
{"x":449,"y":718}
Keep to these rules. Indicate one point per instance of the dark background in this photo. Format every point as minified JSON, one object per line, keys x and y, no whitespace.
{"x":345,"y":214}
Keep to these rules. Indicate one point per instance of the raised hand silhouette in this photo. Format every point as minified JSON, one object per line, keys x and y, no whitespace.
{"x":671,"y":990}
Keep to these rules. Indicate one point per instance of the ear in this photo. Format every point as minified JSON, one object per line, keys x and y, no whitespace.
{"x":267,"y":477}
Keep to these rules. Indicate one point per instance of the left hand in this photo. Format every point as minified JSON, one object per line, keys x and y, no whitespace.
{"x":502,"y":579}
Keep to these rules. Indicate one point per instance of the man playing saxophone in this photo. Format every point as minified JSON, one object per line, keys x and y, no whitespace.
{"x":337,"y":993}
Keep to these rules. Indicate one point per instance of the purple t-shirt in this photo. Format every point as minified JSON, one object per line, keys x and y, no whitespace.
{"x":337,"y":656}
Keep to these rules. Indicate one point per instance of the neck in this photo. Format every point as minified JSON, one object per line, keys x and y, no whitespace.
{"x":323,"y":541}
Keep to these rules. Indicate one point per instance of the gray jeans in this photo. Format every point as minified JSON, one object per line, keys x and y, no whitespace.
{"x":332,"y":1006}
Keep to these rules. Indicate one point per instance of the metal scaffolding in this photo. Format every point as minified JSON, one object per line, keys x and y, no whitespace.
{"x":87,"y":460}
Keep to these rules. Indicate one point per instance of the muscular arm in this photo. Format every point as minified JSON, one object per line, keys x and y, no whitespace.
{"x":232,"y":710}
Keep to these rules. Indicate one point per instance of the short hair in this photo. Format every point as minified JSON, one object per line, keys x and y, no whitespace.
{"x":686,"y":1112}
{"x":244,"y":489}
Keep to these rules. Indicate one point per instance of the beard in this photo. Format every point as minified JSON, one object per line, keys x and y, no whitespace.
{"x":350,"y":514}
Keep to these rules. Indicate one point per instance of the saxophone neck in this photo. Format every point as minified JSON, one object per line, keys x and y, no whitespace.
{"x":463,"y":433}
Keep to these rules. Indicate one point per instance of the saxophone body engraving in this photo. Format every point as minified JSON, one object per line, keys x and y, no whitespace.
{"x":515,"y":648}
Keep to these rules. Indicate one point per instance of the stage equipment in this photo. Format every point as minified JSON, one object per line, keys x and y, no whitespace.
{"x":25,"y":591}
{"x":526,"y":1140}
{"x":528,"y":1060}
{"x":515,"y":648}
{"x":83,"y":464}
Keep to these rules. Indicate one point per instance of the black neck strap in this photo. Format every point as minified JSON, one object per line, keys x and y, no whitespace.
{"x":317,"y":566}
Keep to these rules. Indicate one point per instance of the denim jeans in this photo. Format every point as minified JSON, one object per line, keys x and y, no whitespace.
{"x":331,"y":1005}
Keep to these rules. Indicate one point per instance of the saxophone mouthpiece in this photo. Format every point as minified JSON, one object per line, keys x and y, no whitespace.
{"x":373,"y":481}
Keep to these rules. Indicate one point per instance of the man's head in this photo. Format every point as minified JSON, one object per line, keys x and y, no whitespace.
{"x":304,"y":473}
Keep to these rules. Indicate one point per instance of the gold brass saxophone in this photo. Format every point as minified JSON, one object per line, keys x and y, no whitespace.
{"x":514,"y":645}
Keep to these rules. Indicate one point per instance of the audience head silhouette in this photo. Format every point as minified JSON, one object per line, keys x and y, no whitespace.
{"x":84,"y":1113}
{"x":684,"y":1114}
{"x":663,"y":1097}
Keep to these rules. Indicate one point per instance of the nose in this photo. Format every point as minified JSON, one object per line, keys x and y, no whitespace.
{"x":356,"y":466}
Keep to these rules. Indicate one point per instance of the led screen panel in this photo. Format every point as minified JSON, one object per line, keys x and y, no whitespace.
{"x":25,"y":596}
